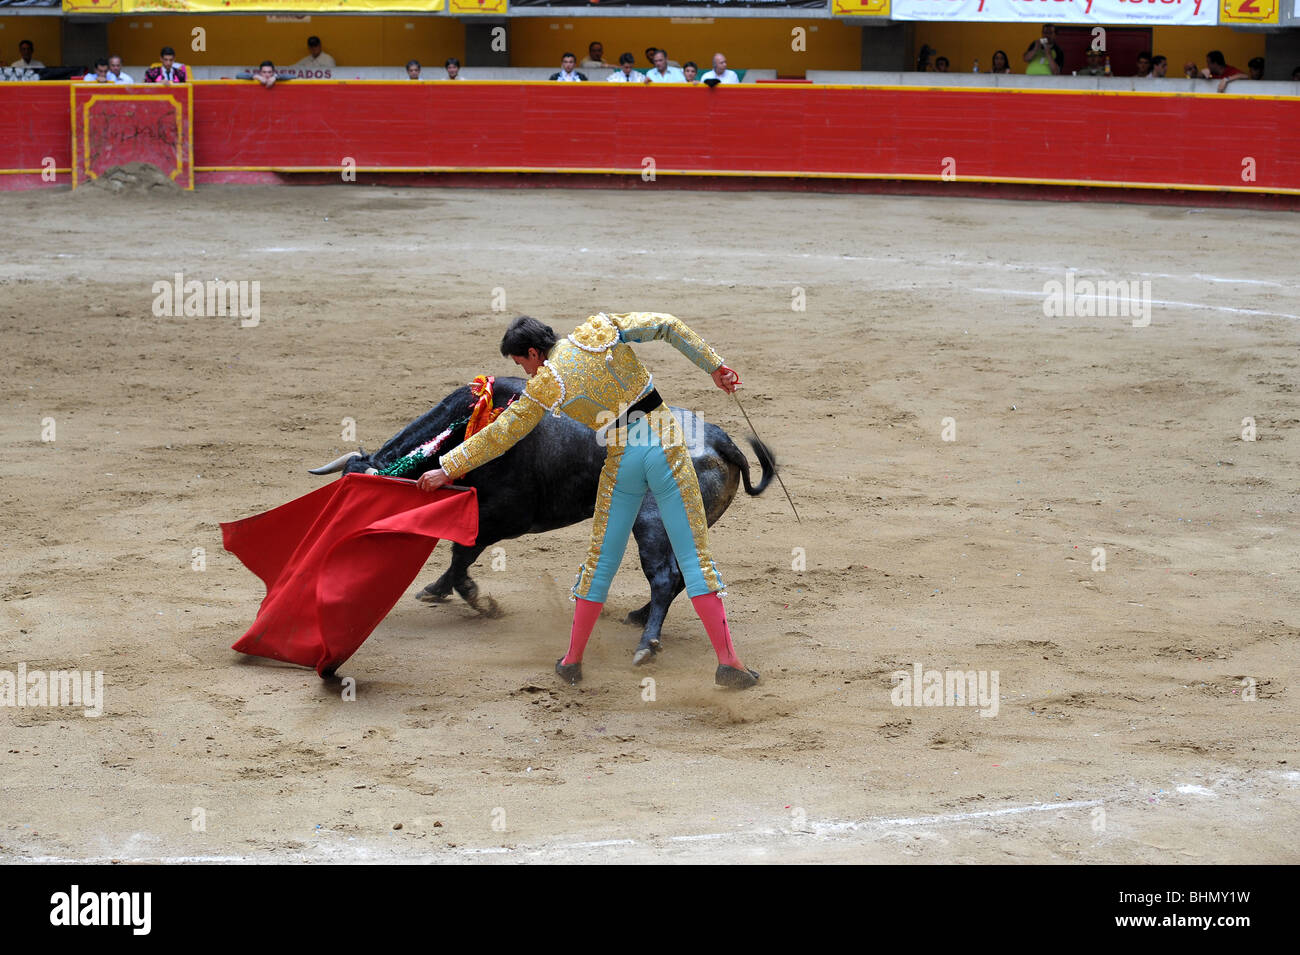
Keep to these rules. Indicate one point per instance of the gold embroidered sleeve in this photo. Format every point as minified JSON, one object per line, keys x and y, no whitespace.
{"x":509,"y":428}
{"x":648,"y":326}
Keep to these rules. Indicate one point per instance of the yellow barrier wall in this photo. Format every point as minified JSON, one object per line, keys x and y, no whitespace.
{"x":247,"y":40}
{"x":963,"y":43}
{"x":42,"y":31}
{"x":759,"y":43}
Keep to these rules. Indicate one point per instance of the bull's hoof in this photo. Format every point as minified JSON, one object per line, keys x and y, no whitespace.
{"x":637,"y":618}
{"x":570,"y":673}
{"x":645,"y":653}
{"x":429,"y":596}
{"x":734,"y":678}
{"x":329,"y":673}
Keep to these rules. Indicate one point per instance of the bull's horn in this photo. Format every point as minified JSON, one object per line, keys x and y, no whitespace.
{"x":338,"y":464}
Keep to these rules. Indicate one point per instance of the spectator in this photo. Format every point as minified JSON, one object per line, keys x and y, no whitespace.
{"x":169,"y":72}
{"x":1256,"y":67}
{"x":625,"y":72}
{"x":315,"y":58}
{"x":923,"y":64}
{"x":452,"y":66}
{"x":720,"y":71}
{"x":1044,"y":56}
{"x":689,"y":71}
{"x":115,"y":71}
{"x":1144,"y":64}
{"x":1000,"y":62}
{"x":1191,"y":71}
{"x":266,"y":74}
{"x":1094,"y":65}
{"x":662,"y":72}
{"x":1216,"y":68}
{"x":595,"y":56}
{"x":101,"y":72}
{"x":568,"y":70}
{"x":941,"y":65}
{"x":25,"y":61}
{"x":650,"y":56}
{"x":412,"y":69}
{"x":1159,"y":66}
{"x":1295,"y":75}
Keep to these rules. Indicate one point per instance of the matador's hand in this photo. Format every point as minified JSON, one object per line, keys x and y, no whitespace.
{"x":432,"y":480}
{"x":726,"y":379}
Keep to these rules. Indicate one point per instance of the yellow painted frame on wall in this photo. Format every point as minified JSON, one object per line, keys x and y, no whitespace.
{"x":184,"y":130}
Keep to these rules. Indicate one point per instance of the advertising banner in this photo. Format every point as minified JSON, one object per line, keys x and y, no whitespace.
{"x":1109,"y":12}
{"x":694,"y":4}
{"x":271,"y":6}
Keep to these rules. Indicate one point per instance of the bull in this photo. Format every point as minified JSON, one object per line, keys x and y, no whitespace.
{"x":548,"y":480}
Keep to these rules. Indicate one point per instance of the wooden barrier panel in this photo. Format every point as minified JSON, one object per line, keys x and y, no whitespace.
{"x":114,"y":125}
{"x":35,"y":145}
{"x":1218,"y":142}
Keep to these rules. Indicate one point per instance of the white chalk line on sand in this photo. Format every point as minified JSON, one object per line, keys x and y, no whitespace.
{"x":813,"y":828}
{"x":696,"y":253}
{"x":1018,"y":293}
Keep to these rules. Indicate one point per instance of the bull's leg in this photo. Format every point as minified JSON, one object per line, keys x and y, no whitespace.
{"x":438,"y":591}
{"x":637,"y":618}
{"x":462,"y":558}
{"x":665,"y":578}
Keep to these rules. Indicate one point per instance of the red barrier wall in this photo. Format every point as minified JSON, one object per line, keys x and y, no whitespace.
{"x":1143,"y":140}
{"x":35,"y":123}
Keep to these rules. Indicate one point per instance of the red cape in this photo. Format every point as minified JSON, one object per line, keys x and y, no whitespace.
{"x":336,"y":560}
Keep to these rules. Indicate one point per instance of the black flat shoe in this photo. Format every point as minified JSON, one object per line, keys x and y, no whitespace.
{"x":571,"y":673}
{"x":734,"y":678}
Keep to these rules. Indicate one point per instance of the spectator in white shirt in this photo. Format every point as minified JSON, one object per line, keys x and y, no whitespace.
{"x":625,"y":72}
{"x":25,"y":61}
{"x":413,"y":70}
{"x":662,"y":72}
{"x":650,"y":56}
{"x":452,"y":66}
{"x":595,"y":56}
{"x":316,"y":59}
{"x":115,"y":71}
{"x":690,"y":71}
{"x":720,"y":71}
{"x":568,"y":70}
{"x":101,"y":73}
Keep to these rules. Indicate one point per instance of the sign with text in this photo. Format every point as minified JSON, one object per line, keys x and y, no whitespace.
{"x":1248,"y":11}
{"x":1147,"y":12}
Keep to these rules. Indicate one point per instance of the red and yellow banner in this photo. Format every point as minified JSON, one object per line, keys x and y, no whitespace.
{"x":92,"y":6}
{"x":471,"y":7}
{"x":256,"y":6}
{"x":860,"y":8}
{"x":1248,"y":11}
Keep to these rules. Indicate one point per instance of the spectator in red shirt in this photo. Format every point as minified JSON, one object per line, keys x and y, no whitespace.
{"x":1216,"y":67}
{"x":1256,"y":67}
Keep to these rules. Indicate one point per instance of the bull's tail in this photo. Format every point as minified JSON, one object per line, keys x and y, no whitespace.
{"x":766,"y":462}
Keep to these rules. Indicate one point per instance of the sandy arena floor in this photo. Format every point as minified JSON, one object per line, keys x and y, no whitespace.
{"x":1122,"y":733}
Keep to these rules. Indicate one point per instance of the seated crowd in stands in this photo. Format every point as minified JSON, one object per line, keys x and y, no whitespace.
{"x":1044,"y":57}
